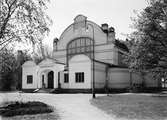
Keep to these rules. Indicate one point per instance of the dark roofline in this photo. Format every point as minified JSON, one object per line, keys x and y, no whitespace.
{"x":121,"y":45}
{"x":111,"y":65}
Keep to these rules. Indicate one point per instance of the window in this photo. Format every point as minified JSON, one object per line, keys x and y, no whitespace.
{"x":79,"y":77}
{"x":82,"y":45}
{"x":29,"y":79}
{"x":66,"y":78}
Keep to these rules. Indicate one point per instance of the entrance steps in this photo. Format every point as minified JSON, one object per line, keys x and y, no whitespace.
{"x":43,"y":90}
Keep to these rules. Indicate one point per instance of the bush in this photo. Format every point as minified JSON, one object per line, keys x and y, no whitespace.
{"x":21,"y":108}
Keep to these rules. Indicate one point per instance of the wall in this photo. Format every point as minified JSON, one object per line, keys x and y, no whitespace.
{"x":100,"y":75}
{"x":70,"y":33}
{"x":106,"y":53}
{"x":80,"y":63}
{"x":63,"y":85}
{"x":47,"y":65}
{"x":104,"y":50}
{"x":120,"y":78}
{"x":30,"y":69}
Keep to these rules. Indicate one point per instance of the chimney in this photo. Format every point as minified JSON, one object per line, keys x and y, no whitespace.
{"x":105,"y":27}
{"x":20,"y":58}
{"x":55,"y":40}
{"x":111,"y":29}
{"x":111,"y":34}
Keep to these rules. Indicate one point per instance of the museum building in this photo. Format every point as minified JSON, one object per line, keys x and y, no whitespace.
{"x":85,"y":56}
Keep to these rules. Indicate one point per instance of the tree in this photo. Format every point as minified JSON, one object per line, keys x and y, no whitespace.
{"x":42,"y":52}
{"x":10,"y":68}
{"x":8,"y":65}
{"x":148,"y":43}
{"x":23,"y":21}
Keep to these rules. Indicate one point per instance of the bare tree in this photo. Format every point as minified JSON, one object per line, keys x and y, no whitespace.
{"x":42,"y":52}
{"x":23,"y":21}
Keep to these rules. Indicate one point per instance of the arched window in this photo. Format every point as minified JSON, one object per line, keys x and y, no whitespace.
{"x":83,"y":45}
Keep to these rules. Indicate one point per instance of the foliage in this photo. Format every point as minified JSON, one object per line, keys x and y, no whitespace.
{"x":7,"y":66}
{"x":21,"y":108}
{"x":10,"y":66}
{"x":23,"y":21}
{"x":148,"y":43}
{"x":8,"y":61}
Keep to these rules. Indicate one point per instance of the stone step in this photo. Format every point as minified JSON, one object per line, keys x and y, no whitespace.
{"x":43,"y":90}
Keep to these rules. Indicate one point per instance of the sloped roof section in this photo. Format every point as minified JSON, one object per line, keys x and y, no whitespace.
{"x":48,"y":62}
{"x":121,"y":45}
{"x":29,"y":63}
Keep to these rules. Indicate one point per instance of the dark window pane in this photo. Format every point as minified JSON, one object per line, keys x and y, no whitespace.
{"x":66,"y":78}
{"x":79,"y":77}
{"x":29,"y":79}
{"x":82,"y":77}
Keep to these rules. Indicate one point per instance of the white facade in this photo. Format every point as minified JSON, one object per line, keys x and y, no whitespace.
{"x":80,"y":63}
{"x":72,"y":65}
{"x":40,"y":73}
{"x":29,"y":68}
{"x":83,"y":28}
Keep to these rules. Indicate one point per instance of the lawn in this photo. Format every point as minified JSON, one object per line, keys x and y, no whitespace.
{"x":133,"y":106}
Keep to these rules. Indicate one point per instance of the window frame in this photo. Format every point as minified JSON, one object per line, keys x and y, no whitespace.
{"x":80,"y":45}
{"x":66,"y":78}
{"x":79,"y":77}
{"x":29,"y":79}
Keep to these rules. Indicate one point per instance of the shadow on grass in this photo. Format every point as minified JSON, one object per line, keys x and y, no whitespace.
{"x":24,"y":108}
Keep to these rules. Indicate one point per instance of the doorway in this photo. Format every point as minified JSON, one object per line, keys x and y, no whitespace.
{"x":51,"y":80}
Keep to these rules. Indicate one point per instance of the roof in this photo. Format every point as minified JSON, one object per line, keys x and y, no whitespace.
{"x":111,"y":65}
{"x":121,"y":45}
{"x":29,"y":63}
{"x":49,"y":61}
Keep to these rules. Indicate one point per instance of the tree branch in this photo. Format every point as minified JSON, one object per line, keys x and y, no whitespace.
{"x":7,"y":18}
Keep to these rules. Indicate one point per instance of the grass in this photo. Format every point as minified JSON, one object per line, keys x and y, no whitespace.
{"x":24,"y":108}
{"x":133,"y":106}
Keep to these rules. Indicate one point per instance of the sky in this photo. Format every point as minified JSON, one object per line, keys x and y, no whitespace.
{"x":116,"y":13}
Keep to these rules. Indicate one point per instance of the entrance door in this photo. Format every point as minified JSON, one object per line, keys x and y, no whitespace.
{"x":50,"y":79}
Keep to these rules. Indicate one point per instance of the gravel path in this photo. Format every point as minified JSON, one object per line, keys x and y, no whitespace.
{"x":69,"y":106}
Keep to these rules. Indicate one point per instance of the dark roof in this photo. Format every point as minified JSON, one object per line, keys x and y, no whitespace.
{"x":111,"y":65}
{"x":121,"y":45}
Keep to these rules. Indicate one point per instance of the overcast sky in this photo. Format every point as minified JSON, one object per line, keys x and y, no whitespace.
{"x":116,"y":13}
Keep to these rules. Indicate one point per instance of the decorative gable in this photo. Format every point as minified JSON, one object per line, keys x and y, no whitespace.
{"x":80,"y":18}
{"x":80,"y":22}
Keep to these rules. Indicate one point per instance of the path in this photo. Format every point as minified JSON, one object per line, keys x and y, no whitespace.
{"x":69,"y":106}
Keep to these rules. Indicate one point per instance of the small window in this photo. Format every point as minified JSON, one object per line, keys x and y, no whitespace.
{"x":66,"y":78}
{"x":29,"y":79}
{"x":79,"y":77}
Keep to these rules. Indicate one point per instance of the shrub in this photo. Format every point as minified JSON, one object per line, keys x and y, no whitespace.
{"x":23,"y":108}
